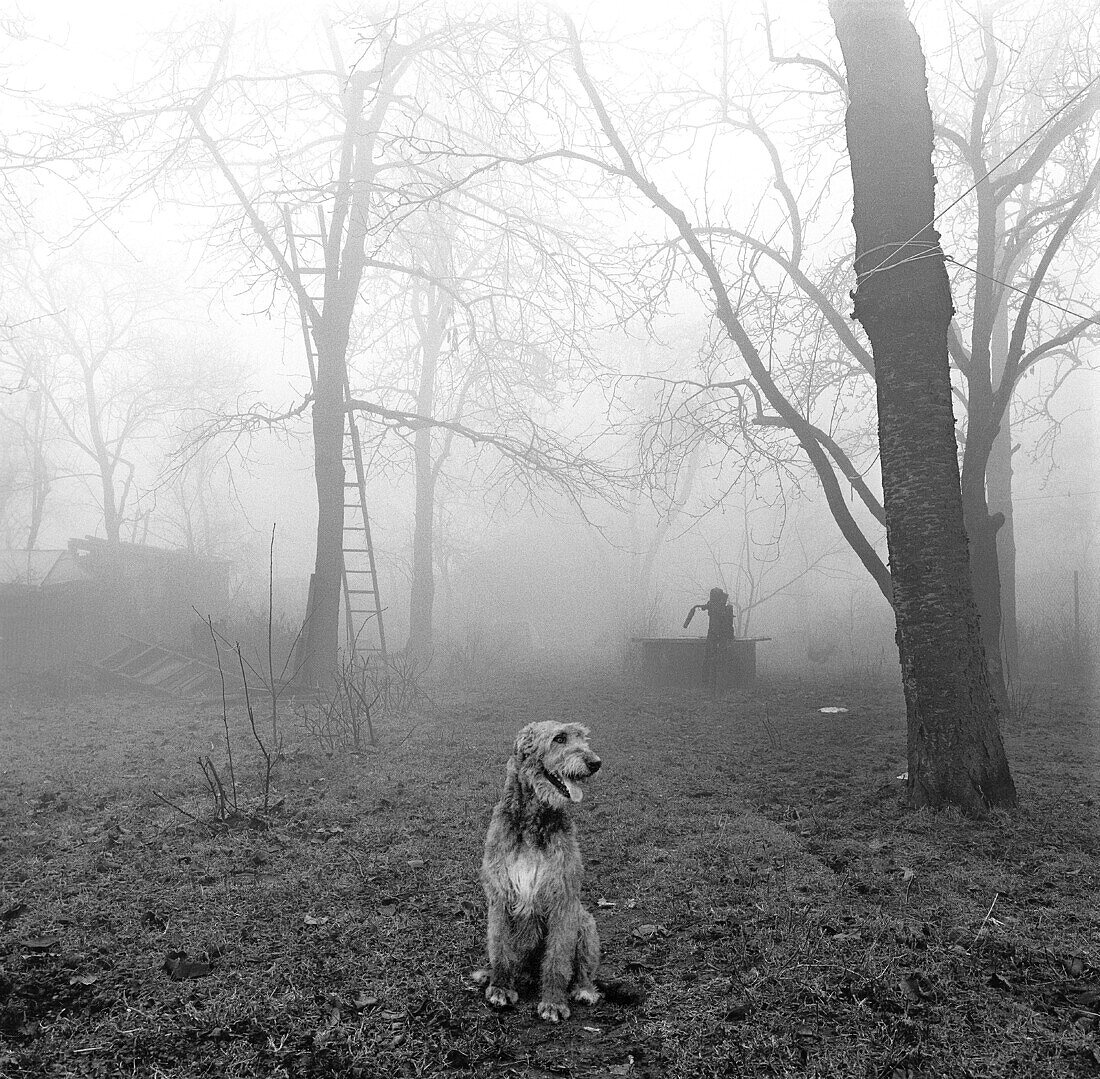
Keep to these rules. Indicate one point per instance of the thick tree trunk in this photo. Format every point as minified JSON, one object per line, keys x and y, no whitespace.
{"x":903,"y":301}
{"x":329,"y":419}
{"x":344,"y":259}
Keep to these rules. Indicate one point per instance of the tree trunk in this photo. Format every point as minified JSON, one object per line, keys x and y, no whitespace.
{"x":981,"y":525}
{"x":344,"y":260}
{"x":903,"y":301}
{"x":40,"y":473}
{"x":999,"y":493}
{"x":999,"y":481}
{"x":329,"y":418}
{"x":112,"y":517}
{"x":422,"y":591}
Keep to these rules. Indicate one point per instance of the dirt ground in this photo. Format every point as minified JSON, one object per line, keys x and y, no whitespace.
{"x":767,"y":905}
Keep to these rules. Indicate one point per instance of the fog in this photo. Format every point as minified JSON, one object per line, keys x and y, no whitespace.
{"x":603,"y":457}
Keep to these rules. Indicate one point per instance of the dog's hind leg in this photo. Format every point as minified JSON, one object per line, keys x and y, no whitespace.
{"x":587,"y":960}
{"x":503,"y":960}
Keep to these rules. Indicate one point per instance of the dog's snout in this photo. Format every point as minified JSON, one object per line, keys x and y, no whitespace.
{"x":594,"y":765}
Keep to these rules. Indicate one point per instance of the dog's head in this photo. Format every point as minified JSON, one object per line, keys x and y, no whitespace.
{"x":553,"y":759}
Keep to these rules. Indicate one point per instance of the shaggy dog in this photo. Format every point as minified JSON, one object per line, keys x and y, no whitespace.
{"x":531,"y":873}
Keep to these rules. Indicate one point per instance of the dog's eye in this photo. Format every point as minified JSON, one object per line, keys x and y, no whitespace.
{"x":561,"y":736}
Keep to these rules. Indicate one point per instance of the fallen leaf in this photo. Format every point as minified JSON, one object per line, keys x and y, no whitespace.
{"x":309,"y":919}
{"x":180,"y":967}
{"x":907,"y":874}
{"x":601,"y":902}
{"x":40,"y":944}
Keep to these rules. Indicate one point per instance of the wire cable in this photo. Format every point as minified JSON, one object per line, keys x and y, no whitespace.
{"x":882,"y":266}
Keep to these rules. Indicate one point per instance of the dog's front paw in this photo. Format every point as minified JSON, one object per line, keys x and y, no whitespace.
{"x":501,"y":997}
{"x":586,"y":994}
{"x":552,"y":1011}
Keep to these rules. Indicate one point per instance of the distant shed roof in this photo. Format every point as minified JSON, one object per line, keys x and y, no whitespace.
{"x":100,"y":558}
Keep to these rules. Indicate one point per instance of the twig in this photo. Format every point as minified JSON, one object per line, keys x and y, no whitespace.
{"x":180,"y":809}
{"x":217,"y":788}
{"x":225,"y":712}
{"x":270,"y":663}
{"x":988,"y":915}
{"x":256,"y":733}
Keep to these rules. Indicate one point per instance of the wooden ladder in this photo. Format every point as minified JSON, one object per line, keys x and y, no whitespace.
{"x":364,"y":630}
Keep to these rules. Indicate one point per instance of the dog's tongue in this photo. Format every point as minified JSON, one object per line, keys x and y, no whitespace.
{"x":575,"y":792}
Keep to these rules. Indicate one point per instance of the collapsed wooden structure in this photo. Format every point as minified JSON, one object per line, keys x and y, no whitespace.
{"x":99,"y":601}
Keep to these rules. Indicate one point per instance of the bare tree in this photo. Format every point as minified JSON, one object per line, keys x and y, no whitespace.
{"x":104,"y":368}
{"x":956,"y":756}
{"x":1017,"y":127}
{"x":806,"y":390}
{"x":363,"y":150}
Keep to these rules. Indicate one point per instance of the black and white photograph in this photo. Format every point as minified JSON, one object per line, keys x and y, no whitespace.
{"x":549,"y":540}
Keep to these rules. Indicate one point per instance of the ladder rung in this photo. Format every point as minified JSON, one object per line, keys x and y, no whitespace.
{"x":356,"y":550}
{"x":352,"y":569}
{"x":361,"y":591}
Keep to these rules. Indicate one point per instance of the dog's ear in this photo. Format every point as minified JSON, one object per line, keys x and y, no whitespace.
{"x":525,"y":742}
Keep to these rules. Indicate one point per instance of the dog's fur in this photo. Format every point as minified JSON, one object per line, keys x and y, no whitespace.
{"x":532,"y":873}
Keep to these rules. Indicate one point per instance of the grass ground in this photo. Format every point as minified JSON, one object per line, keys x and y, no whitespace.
{"x":760,"y":889}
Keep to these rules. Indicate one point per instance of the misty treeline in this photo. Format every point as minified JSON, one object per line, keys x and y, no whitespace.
{"x":483,"y":215}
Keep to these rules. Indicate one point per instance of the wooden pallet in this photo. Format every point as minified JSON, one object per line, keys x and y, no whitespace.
{"x":164,"y":670}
